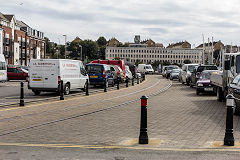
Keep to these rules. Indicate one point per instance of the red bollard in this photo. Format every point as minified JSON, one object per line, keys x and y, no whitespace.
{"x":143,"y":137}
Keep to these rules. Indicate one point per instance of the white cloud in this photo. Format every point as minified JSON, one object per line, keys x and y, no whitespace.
{"x":163,"y":21}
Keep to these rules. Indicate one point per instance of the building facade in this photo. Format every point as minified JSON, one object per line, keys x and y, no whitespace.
{"x":21,"y":43}
{"x":151,"y":54}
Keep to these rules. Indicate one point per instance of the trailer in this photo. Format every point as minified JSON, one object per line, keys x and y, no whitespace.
{"x":221,"y":79}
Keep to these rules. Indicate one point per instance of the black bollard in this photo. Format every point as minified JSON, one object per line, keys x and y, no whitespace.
{"x":61,"y":91}
{"x":87,"y":93}
{"x":229,"y":139}
{"x":137,"y":79}
{"x":132,"y":81}
{"x":118,"y":80}
{"x":143,"y":77}
{"x":143,"y":137}
{"x":126,"y":81}
{"x":105,"y":85}
{"x":22,"y":94}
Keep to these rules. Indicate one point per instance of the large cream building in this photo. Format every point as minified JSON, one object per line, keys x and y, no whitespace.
{"x":150,"y":54}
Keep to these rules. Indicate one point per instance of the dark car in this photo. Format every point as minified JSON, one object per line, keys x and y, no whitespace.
{"x":203,"y":84}
{"x":197,"y":72}
{"x":99,"y":74}
{"x":234,"y":88}
{"x":17,"y":73}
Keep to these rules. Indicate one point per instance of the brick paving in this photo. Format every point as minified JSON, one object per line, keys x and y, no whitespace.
{"x":177,"y":117}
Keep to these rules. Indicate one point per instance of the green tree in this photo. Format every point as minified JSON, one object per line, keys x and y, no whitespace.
{"x":102,"y":41}
{"x":187,"y":61}
{"x":138,"y":62}
{"x":166,"y":63}
{"x":90,"y":49}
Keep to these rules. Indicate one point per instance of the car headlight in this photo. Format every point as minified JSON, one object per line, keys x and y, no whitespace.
{"x":199,"y":84}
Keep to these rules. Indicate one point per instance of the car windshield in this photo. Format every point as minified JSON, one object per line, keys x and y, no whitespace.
{"x":236,"y":79}
{"x":175,"y":71}
{"x":148,"y":67}
{"x":202,"y":68}
{"x":94,"y":68}
{"x":205,"y":75}
{"x":191,"y":68}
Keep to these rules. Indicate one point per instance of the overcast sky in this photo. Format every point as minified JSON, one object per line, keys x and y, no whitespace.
{"x":164,"y":21}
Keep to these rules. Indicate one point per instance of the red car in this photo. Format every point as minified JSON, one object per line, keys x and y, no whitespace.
{"x":16,"y":73}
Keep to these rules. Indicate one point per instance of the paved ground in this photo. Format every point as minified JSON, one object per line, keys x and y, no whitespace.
{"x":180,"y":124}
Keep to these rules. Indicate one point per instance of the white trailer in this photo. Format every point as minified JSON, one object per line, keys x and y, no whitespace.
{"x":46,"y":74}
{"x":222,"y":79}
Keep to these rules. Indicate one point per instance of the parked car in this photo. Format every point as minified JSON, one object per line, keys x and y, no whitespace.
{"x":234,"y":88}
{"x":121,"y":74}
{"x":145,"y":68}
{"x":132,"y":68}
{"x":128,"y":72}
{"x":164,"y":70}
{"x":16,"y":73}
{"x":186,"y":72}
{"x":197,"y":72}
{"x":204,"y":84}
{"x":99,"y":74}
{"x":169,"y":70}
{"x":119,"y":63}
{"x":115,"y":71}
{"x":174,"y":74}
{"x":45,"y":75}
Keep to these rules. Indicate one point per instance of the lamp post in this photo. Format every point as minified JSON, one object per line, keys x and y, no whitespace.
{"x":65,"y":44}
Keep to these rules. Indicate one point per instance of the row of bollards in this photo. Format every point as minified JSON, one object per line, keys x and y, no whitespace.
{"x":61,"y":87}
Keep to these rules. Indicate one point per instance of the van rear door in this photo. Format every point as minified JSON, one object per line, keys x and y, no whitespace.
{"x":43,"y":74}
{"x":51,"y":72}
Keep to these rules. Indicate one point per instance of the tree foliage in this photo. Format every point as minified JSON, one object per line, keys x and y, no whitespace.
{"x":187,"y":61}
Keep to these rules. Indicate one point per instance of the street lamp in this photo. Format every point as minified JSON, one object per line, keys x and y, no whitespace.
{"x":65,"y":44}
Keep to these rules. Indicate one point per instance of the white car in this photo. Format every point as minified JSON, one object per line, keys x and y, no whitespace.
{"x":186,"y":72}
{"x":46,"y":75}
{"x":145,"y":68}
{"x":128,"y":72}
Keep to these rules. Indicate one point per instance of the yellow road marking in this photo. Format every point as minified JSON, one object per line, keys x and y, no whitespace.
{"x":138,"y":147}
{"x":66,"y":100}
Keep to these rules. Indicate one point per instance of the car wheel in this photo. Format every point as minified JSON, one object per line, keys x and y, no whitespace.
{"x":197,"y":92}
{"x":67,"y":89}
{"x":36,"y":92}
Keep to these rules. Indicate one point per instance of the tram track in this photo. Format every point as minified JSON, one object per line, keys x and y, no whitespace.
{"x":83,"y":114}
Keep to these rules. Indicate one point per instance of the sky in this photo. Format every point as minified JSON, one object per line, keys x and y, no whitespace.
{"x":163,"y":21}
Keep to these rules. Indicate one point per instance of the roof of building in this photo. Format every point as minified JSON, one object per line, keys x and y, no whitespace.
{"x":2,"y":16}
{"x":206,"y":44}
{"x":9,"y":16}
{"x":177,"y":44}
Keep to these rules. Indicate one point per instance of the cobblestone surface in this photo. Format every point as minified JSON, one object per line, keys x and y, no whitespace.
{"x":177,"y":117}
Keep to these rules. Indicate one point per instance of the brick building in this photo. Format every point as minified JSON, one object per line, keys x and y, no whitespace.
{"x":21,"y":42}
{"x":183,"y":44}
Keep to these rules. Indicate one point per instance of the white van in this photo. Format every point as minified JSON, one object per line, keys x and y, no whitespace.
{"x":3,"y":69}
{"x":46,"y":75}
{"x":145,"y":68}
{"x":186,"y":72}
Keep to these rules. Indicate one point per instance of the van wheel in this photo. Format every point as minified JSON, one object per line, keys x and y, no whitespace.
{"x":67,"y":89}
{"x":36,"y":92}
